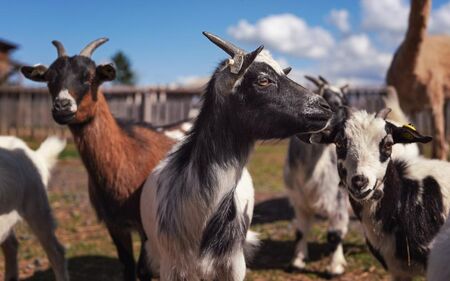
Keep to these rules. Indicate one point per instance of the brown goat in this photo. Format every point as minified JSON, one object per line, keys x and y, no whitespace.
{"x":117,"y":156}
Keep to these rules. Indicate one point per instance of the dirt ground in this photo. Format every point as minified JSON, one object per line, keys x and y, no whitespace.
{"x":92,"y":256}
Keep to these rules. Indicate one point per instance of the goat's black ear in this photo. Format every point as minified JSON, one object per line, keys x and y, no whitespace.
{"x":249,"y":58}
{"x":287,"y":70}
{"x":406,"y":134}
{"x":106,"y":72}
{"x":35,"y":73}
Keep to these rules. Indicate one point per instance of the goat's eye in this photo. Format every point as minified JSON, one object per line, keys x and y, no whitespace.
{"x":263,"y":82}
{"x":388,"y":145}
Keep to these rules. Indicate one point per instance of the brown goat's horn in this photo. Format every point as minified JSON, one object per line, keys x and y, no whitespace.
{"x":90,"y":48}
{"x":383,"y":113}
{"x":323,"y":80}
{"x":314,"y":80}
{"x":224,"y":45}
{"x":60,"y":48}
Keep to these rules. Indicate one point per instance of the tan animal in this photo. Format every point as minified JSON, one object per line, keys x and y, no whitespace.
{"x":420,"y":72}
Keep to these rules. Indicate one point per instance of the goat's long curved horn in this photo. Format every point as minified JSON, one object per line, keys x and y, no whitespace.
{"x":314,"y":80}
{"x":323,"y":80}
{"x":383,"y":113}
{"x":229,"y":48}
{"x":60,"y":48}
{"x":90,"y":48}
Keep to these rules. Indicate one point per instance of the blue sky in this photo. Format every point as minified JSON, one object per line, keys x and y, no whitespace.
{"x":164,"y":42}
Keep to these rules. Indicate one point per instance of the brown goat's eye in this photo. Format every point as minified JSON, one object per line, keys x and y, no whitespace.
{"x":263,"y":81}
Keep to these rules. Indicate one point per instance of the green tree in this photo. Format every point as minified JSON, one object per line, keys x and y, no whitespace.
{"x":124,"y":74}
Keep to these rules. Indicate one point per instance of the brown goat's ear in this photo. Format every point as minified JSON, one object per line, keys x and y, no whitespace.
{"x":106,"y":72}
{"x":406,"y":134}
{"x":35,"y":73}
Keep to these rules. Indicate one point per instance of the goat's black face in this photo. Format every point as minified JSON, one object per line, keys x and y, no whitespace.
{"x":271,"y":105}
{"x":73,"y":83}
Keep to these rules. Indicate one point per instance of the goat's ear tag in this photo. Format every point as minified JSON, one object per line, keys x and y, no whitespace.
{"x":410,"y":126}
{"x":236,"y":63}
{"x":408,"y":133}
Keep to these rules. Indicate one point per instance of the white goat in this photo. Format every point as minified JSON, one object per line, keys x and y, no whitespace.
{"x":401,"y":200}
{"x":196,"y":208}
{"x":312,"y":182}
{"x":24,"y":176}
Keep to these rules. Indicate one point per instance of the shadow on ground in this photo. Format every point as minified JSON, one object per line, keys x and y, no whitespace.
{"x":272,"y":210}
{"x":86,"y":268}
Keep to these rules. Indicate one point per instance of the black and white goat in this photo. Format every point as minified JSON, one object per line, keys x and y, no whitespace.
{"x":401,"y":200}
{"x":24,"y":175}
{"x":194,"y":213}
{"x":311,"y":181}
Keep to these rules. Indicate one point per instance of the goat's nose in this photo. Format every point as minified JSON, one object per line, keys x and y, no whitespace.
{"x":359,"y":182}
{"x":61,"y":104}
{"x":324,"y":105}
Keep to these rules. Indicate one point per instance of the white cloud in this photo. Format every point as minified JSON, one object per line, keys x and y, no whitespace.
{"x":354,"y":61}
{"x":355,"y":58}
{"x":339,"y":18}
{"x":285,"y":33}
{"x":440,"y":20}
{"x":386,"y":15}
{"x":388,"y":18}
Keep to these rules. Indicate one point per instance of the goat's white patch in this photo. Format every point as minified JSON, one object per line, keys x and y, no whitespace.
{"x":64,"y":94}
{"x":265,"y":57}
{"x":175,"y":134}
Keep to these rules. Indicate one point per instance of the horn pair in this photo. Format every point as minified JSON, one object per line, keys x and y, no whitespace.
{"x":318,"y":82}
{"x":86,"y":52}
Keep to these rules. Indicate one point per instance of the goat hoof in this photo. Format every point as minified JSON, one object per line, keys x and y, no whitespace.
{"x":297,"y":265}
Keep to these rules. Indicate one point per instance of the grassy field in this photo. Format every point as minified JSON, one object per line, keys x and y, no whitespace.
{"x":92,"y":256}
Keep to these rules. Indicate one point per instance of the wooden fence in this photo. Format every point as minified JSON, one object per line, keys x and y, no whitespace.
{"x":26,"y":112}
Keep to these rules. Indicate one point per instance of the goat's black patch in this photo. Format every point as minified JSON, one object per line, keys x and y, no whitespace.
{"x":376,"y":254}
{"x":298,"y":236}
{"x":334,"y":238}
{"x":342,"y":172}
{"x":384,"y":149}
{"x":224,"y":229}
{"x":412,"y":221}
{"x":341,"y":147}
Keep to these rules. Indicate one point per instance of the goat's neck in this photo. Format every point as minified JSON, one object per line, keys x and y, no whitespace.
{"x":100,"y":142}
{"x":417,"y":30}
{"x":216,"y":142}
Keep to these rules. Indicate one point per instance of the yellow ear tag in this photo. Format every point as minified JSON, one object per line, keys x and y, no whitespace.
{"x":409,"y":135}
{"x":410,"y":126}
